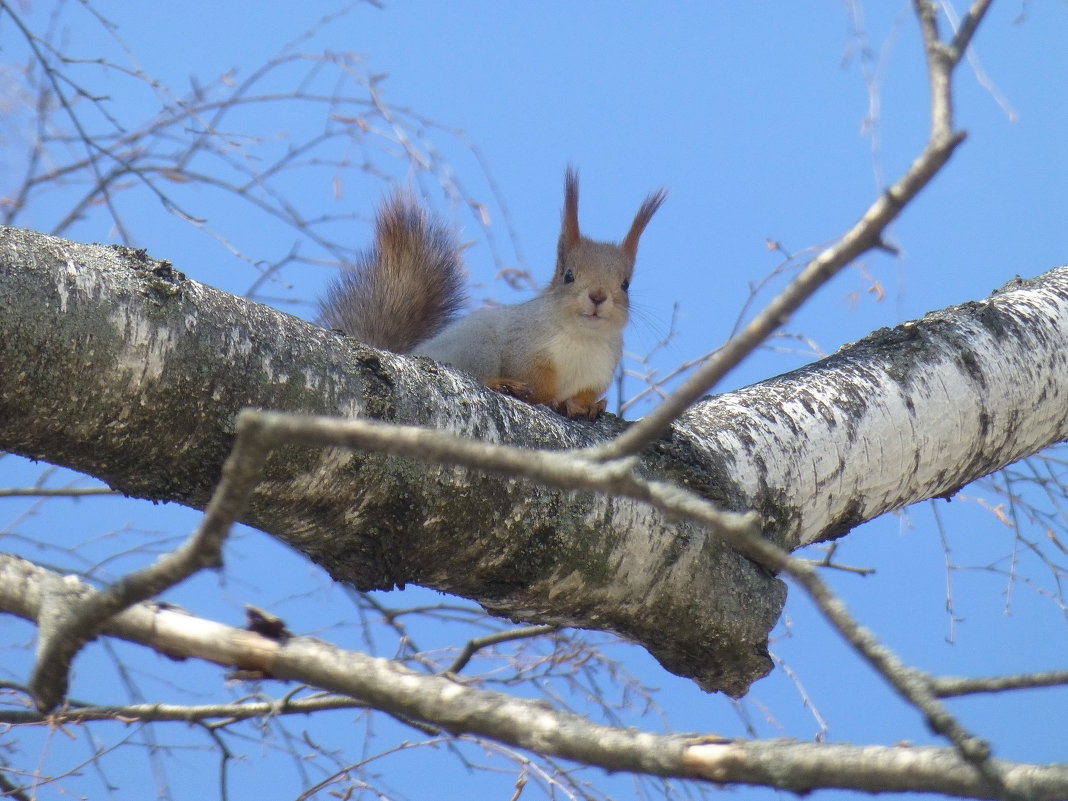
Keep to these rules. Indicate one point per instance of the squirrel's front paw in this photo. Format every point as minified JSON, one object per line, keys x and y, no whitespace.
{"x":508,"y":386}
{"x":582,"y":406}
{"x":578,"y":408}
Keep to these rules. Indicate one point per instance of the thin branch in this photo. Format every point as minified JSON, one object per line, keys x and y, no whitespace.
{"x":828,"y":562}
{"x":571,"y":471}
{"x":224,"y":714}
{"x":93,"y":148}
{"x":58,"y":492}
{"x":530,"y":724}
{"x":865,"y":235}
{"x":8,"y":789}
{"x":967,"y":28}
{"x":950,"y":686}
{"x":553,"y":468}
{"x":68,"y":619}
{"x":474,"y":645}
{"x":912,"y":684}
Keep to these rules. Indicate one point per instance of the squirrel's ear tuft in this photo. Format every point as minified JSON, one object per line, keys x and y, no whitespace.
{"x":569,"y":233}
{"x":641,"y":219}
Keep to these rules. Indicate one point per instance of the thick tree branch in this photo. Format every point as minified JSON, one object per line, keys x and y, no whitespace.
{"x":146,"y":372}
{"x":906,"y":414}
{"x":118,"y":366}
{"x":567,"y":470}
{"x":449,"y":705}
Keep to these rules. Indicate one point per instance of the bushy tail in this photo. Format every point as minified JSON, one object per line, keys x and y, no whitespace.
{"x":405,"y":288}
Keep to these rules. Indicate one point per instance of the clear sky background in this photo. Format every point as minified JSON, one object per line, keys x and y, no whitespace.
{"x":759,"y":120}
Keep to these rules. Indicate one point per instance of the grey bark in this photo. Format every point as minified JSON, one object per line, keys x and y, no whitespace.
{"x":119,"y":366}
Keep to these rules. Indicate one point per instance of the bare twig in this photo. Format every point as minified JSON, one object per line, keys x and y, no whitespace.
{"x":865,"y":235}
{"x":223,"y":714}
{"x":70,"y":619}
{"x":57,"y":492}
{"x":950,"y":686}
{"x":829,"y":562}
{"x":473,"y":646}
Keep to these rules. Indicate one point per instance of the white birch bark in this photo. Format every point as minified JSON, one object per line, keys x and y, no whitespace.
{"x":906,"y":414}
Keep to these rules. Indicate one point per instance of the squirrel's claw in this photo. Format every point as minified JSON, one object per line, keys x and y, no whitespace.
{"x":579,"y":407}
{"x":576,"y":409}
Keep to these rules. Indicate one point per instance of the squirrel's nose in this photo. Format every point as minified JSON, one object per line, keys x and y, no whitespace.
{"x":598,"y":296}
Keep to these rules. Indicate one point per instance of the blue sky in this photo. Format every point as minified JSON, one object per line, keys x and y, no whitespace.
{"x":754,"y":116}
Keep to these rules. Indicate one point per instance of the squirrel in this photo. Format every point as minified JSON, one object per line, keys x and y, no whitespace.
{"x":560,"y":348}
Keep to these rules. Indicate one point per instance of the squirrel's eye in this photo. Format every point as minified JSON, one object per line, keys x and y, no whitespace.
{"x":625,"y":286}
{"x":569,"y":277}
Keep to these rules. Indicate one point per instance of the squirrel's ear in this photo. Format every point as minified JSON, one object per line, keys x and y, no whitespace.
{"x":641,"y":219}
{"x":569,"y":233}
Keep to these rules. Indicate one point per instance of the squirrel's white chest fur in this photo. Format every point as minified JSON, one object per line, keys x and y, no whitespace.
{"x":504,"y":342}
{"x":585,"y":359}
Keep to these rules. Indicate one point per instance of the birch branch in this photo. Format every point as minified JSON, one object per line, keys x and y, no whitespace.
{"x":449,"y":705}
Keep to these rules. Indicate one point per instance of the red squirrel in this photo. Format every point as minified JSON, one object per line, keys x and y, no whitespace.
{"x":560,"y":348}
